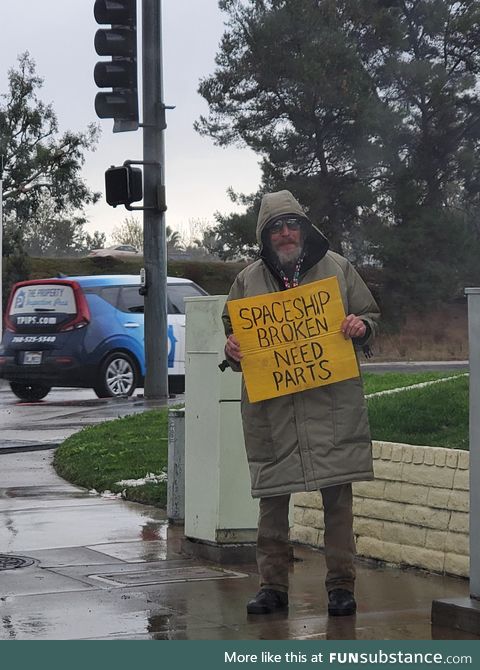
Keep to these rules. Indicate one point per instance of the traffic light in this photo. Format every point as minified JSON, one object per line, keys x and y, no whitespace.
{"x":123,"y":185}
{"x":120,"y":73}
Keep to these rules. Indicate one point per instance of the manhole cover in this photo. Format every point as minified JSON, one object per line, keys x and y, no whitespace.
{"x":8,"y":562}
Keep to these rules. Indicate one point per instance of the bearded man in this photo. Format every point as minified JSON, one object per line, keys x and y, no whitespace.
{"x":313,"y":440}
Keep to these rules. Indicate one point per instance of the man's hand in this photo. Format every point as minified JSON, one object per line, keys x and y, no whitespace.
{"x":352,"y":326}
{"x":232,"y":349}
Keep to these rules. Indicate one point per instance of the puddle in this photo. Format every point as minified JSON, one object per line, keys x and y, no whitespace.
{"x":50,"y":492}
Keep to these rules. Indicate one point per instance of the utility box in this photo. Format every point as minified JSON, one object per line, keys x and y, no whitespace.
{"x":219,"y":509}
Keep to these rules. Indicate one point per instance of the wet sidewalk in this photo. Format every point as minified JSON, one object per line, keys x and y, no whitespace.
{"x":107,"y":569}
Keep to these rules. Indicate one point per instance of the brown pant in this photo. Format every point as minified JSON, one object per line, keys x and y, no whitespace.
{"x":273,"y":544}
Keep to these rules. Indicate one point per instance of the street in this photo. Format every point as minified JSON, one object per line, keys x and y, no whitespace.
{"x":45,"y":424}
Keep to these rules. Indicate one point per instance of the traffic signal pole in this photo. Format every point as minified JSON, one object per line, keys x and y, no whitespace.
{"x":155,"y":250}
{"x":123,"y":184}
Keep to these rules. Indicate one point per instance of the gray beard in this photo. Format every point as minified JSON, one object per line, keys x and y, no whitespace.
{"x":287,"y":260}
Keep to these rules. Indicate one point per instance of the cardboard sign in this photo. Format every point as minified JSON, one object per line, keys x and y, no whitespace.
{"x":291,"y":340}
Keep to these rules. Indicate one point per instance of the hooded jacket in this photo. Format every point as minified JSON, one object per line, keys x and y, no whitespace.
{"x":318,"y":437}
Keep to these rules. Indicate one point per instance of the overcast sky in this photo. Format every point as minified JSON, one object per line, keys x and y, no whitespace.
{"x":59,"y":36}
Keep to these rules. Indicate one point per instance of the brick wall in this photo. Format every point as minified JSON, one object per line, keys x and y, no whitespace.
{"x":414,"y":513}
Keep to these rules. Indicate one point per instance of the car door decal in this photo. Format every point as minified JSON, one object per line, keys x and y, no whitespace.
{"x":171,"y":346}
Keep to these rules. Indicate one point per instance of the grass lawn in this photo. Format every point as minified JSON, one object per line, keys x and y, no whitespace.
{"x":435,"y":416}
{"x":392,"y":380}
{"x":128,"y":448}
{"x":134,"y":446}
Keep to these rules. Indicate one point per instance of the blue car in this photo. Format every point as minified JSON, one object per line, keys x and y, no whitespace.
{"x":87,"y":332}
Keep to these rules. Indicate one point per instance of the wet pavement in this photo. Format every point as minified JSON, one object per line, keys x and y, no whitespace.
{"x":107,"y":569}
{"x":46,"y":424}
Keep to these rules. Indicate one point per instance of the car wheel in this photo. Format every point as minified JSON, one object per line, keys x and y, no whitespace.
{"x":118,"y":376}
{"x":30,"y":392}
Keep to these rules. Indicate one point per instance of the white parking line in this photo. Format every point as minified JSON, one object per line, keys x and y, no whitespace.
{"x":415,"y":386}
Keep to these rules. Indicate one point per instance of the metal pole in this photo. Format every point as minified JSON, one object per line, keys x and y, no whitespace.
{"x":473,"y":295}
{"x":176,"y":465}
{"x":155,"y":252}
{"x":1,"y":246}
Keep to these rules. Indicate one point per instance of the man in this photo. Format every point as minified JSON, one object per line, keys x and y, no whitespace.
{"x":316,"y":439}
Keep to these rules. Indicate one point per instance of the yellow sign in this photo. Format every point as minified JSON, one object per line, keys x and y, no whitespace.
{"x":291,"y":340}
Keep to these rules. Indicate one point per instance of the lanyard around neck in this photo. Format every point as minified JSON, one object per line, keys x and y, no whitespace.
{"x":296,"y":274}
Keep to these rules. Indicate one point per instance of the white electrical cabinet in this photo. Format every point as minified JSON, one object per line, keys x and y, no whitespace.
{"x":218,"y":505}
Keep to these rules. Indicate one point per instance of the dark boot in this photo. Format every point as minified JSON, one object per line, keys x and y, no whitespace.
{"x":267,"y":601}
{"x":341,"y":603}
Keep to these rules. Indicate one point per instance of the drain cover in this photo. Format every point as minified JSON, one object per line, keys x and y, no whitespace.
{"x":165,"y":576}
{"x":9,"y":562}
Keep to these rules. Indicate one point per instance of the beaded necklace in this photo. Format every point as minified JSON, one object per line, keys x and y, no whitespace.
{"x":296,"y":274}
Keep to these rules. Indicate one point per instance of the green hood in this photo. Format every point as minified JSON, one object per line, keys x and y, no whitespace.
{"x":278,"y":204}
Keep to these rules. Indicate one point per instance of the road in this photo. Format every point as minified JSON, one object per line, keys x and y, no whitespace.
{"x":45,"y":424}
{"x":416,"y":366}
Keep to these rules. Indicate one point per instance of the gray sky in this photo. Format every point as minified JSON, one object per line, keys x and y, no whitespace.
{"x":59,"y":36}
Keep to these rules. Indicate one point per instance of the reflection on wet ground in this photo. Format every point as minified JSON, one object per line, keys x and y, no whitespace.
{"x":106,"y":569}
{"x":86,"y":600}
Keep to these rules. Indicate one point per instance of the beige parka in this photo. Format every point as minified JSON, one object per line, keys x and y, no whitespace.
{"x":319,"y":437}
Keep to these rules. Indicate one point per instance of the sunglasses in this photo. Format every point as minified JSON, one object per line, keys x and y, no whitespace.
{"x":292,"y":224}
